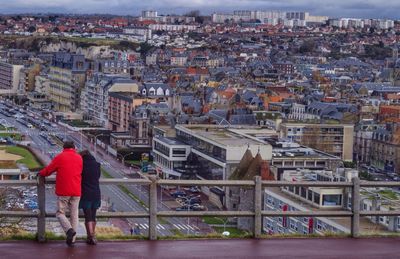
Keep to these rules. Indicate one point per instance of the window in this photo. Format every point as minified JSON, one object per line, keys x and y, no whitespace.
{"x":332,"y":200}
{"x":319,"y":225}
{"x":179,"y":152}
{"x":293,"y":225}
{"x":309,"y":195}
{"x":316,"y":198}
{"x":304,"y":192}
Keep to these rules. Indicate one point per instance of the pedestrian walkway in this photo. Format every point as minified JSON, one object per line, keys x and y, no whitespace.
{"x":315,"y":248}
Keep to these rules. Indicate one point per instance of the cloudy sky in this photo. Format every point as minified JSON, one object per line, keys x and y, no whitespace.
{"x":334,"y":8}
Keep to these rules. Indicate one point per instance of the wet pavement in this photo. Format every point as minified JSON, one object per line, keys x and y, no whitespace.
{"x":343,"y":248}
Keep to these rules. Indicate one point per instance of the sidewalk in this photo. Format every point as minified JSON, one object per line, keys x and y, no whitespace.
{"x":315,"y":248}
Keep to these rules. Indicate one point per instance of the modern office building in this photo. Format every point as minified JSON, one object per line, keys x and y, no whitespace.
{"x":215,"y":151}
{"x":334,"y":139}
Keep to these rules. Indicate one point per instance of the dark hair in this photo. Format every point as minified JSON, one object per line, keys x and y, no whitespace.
{"x":84,"y":153}
{"x":68,"y":144}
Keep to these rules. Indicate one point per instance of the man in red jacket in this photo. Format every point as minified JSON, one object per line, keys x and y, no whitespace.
{"x":68,"y":165}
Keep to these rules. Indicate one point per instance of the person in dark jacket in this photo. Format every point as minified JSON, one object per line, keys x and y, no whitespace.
{"x":91,"y":198}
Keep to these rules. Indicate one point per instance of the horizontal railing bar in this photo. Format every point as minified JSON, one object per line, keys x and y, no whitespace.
{"x":125,"y":181}
{"x":205,"y":213}
{"x":111,"y":181}
{"x":211,"y":183}
{"x":18,"y":214}
{"x":379,"y":184}
{"x":109,"y":215}
{"x":306,"y":184}
{"x":380,"y":213}
{"x":205,"y":183}
{"x":307,"y":213}
{"x":18,"y":183}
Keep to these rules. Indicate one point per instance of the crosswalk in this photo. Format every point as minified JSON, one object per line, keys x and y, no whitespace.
{"x":105,"y":163}
{"x":177,"y":226}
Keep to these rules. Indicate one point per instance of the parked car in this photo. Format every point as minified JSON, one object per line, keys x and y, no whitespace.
{"x":177,"y":193}
{"x":194,"y":189}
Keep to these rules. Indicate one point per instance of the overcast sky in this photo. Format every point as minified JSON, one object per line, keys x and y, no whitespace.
{"x":333,"y":8}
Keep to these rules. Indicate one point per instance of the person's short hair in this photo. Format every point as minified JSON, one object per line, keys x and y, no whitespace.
{"x":68,"y":144}
{"x":84,"y":153}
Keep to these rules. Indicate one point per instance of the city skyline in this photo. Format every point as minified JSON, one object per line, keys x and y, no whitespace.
{"x":338,"y":8}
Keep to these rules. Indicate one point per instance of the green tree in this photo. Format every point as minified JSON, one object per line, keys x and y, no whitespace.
{"x":32,"y":29}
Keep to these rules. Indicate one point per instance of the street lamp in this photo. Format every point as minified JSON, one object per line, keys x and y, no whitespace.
{"x":225,"y":233}
{"x":123,"y":157}
{"x":95,"y":143}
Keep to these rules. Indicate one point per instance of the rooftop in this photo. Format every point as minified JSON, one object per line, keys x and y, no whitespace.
{"x":221,"y":135}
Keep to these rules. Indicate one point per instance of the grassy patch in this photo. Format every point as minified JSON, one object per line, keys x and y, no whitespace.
{"x":125,"y":190}
{"x":162,"y":221}
{"x":28,"y":159}
{"x":4,"y":128}
{"x":78,"y":123}
{"x":234,"y":232}
{"x":389,"y":194}
{"x":19,"y":236}
{"x":14,"y":136}
{"x":133,"y":162}
{"x":105,"y":174}
{"x":214,"y":220}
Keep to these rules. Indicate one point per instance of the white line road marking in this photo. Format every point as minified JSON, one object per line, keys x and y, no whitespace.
{"x":161,"y":226}
{"x":190,"y":227}
{"x":143,"y":226}
{"x":176,"y":226}
{"x":182,"y":226}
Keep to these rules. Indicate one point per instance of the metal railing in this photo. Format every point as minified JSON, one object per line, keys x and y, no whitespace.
{"x":258,"y":213}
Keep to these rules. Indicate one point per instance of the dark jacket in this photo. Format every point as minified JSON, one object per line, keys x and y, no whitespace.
{"x":68,"y":165}
{"x":90,"y":179}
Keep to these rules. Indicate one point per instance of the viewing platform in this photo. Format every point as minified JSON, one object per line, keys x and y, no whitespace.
{"x":309,"y":248}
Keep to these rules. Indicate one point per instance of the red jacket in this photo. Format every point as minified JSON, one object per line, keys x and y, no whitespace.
{"x":68,"y":165}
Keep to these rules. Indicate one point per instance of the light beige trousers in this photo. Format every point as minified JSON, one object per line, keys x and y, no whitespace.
{"x":70,"y":203}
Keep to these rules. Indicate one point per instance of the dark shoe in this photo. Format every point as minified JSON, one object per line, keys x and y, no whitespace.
{"x":70,"y":237}
{"x":91,"y":238}
{"x":91,"y":241}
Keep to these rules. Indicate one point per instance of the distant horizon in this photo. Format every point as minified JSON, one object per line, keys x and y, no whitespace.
{"x":368,"y":9}
{"x":181,"y":14}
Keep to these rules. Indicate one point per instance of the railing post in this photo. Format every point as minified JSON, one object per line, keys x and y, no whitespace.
{"x":257,"y":207}
{"x":153,"y":209}
{"x":355,"y":206}
{"x":41,"y":219}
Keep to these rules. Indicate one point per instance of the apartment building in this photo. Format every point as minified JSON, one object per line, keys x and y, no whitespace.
{"x":385,"y":148}
{"x":95,"y":96}
{"x":9,"y":78}
{"x":334,"y":139}
{"x":67,"y":76}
